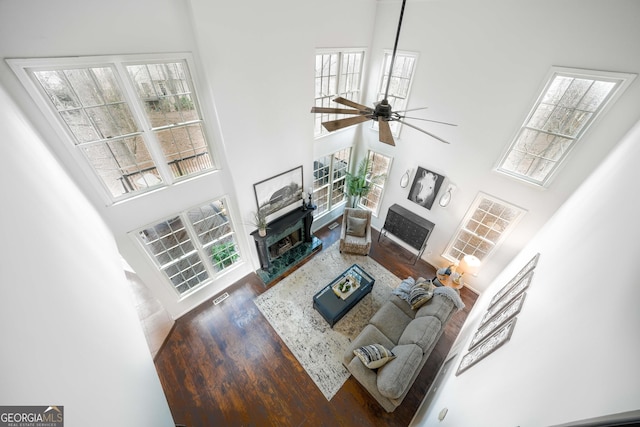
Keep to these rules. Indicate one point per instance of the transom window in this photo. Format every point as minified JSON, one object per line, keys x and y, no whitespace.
{"x":338,"y":73}
{"x":486,"y":224}
{"x":401,"y":78}
{"x":328,"y":180}
{"x":193,"y":246}
{"x":137,"y":125}
{"x":570,"y":101}
{"x":380,"y":166}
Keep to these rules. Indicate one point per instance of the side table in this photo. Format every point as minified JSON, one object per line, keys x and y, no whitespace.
{"x":446,"y":280}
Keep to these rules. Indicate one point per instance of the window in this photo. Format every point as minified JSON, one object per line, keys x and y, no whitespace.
{"x":570,"y":102}
{"x":193,"y":246}
{"x":380,"y":166}
{"x":328,"y":180}
{"x":338,"y":73}
{"x":136,"y":124}
{"x":486,"y":224}
{"x":401,"y":78}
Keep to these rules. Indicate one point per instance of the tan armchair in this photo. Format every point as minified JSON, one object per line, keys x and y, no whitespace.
{"x":355,"y":237}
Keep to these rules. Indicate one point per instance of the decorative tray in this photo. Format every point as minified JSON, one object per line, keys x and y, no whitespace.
{"x":345,"y":287}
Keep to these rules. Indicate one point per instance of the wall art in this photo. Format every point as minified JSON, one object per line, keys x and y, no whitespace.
{"x":280,"y":192}
{"x":506,"y":299}
{"x":528,"y":267}
{"x":488,"y":346}
{"x":498,"y":320}
{"x":425,"y":187}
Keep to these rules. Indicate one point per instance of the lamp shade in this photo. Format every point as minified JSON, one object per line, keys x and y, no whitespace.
{"x":470,"y":264}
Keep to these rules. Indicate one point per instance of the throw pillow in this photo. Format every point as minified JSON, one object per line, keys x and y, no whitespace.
{"x":404,"y":288}
{"x":419,"y":295}
{"x":356,"y":226}
{"x":374,"y":356}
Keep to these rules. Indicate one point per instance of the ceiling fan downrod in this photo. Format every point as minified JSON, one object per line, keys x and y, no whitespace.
{"x":395,"y":48}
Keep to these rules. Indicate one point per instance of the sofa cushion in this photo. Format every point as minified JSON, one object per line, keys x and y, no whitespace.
{"x":391,"y":321}
{"x":356,"y":226}
{"x":402,"y":305}
{"x":422,"y":331}
{"x":439,"y":306}
{"x":369,"y":335}
{"x":396,"y":377}
{"x":374,"y":355}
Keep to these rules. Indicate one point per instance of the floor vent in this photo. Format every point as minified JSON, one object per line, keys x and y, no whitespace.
{"x":334,"y":225}
{"x":220,"y":298}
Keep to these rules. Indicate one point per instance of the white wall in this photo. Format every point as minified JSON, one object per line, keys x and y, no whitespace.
{"x":259,"y":60}
{"x":575,"y":347}
{"x":70,"y":333}
{"x":481,"y":65}
{"x":41,"y":29}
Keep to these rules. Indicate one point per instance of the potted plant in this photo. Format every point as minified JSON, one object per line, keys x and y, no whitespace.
{"x":260,"y":222}
{"x":224,"y":255}
{"x":359,"y":184}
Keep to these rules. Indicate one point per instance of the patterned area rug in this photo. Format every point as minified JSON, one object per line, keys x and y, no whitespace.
{"x":288,"y":306}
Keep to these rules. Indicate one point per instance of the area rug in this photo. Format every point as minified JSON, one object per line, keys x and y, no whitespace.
{"x":288,"y":306}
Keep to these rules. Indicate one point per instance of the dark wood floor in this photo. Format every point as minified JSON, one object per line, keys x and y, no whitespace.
{"x":225,"y":366}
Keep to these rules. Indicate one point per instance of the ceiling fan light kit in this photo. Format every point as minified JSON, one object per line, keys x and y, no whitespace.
{"x":382,"y":112}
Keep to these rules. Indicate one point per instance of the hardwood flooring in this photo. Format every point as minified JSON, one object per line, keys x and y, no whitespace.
{"x":225,"y":366}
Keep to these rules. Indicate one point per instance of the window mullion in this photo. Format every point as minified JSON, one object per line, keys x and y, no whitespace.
{"x":197,"y":244}
{"x":573,"y":138}
{"x":153,"y":145}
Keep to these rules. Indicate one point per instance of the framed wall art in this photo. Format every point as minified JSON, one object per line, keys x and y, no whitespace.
{"x":528,"y":267}
{"x":508,"y":297}
{"x":488,"y":346}
{"x":425,"y":187}
{"x":280,"y":192}
{"x":498,"y":320}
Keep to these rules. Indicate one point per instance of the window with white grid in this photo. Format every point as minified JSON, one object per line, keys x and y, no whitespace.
{"x":338,"y":73}
{"x":487,"y":223}
{"x":193,"y":246}
{"x":136,"y":124}
{"x":401,"y":78}
{"x":570,"y":101}
{"x":328,"y":180}
{"x":380,"y":167}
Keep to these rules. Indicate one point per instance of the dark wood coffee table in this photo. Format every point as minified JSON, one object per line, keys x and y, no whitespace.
{"x":333,"y":304}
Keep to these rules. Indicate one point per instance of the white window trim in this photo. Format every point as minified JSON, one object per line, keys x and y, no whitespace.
{"x":470,"y":211}
{"x":376,"y":212}
{"x":198,"y":248}
{"x":329,"y":185}
{"x":21,"y":67}
{"x":379,"y":93}
{"x":340,"y":51}
{"x":623,"y":79}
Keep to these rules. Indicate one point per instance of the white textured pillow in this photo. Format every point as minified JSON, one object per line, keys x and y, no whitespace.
{"x":374,"y":356}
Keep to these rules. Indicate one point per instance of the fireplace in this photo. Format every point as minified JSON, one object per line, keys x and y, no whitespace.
{"x":288,"y":242}
{"x":285,"y":244}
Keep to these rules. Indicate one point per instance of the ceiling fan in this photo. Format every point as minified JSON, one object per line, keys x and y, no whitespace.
{"x":382,"y":111}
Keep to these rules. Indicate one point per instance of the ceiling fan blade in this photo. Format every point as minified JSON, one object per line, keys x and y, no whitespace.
{"x":334,"y":110}
{"x":424,"y":131}
{"x":411,"y":109}
{"x":428,"y":120}
{"x":348,"y":102}
{"x":343,"y":123}
{"x":385,"y":132}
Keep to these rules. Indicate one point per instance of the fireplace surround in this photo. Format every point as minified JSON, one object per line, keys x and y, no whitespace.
{"x":288,"y":242}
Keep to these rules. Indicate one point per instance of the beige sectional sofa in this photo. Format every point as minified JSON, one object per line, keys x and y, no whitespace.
{"x":410,"y":334}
